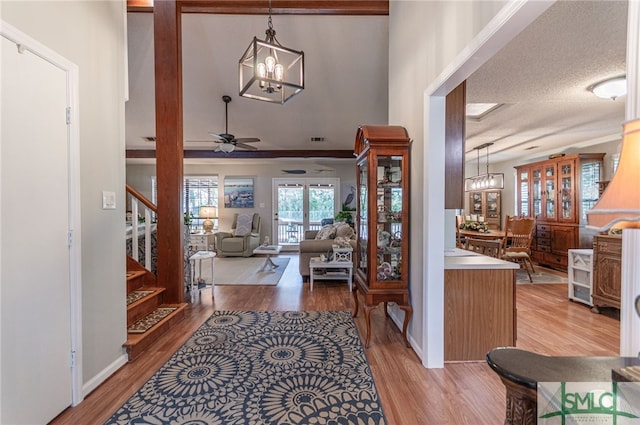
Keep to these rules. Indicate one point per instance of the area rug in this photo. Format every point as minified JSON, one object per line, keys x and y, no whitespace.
{"x":262,"y":368}
{"x":247,"y":271}
{"x":540,"y":276}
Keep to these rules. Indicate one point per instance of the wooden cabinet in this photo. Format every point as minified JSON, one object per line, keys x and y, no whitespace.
{"x":607,"y":271}
{"x":557,"y":193}
{"x":486,"y":205}
{"x":382,"y":221}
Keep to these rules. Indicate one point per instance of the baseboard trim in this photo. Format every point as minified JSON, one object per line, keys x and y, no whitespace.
{"x":104,"y":374}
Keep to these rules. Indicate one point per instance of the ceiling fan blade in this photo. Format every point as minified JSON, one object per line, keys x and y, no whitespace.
{"x":218,"y":136}
{"x":247,"y":147}
{"x":246,"y":140}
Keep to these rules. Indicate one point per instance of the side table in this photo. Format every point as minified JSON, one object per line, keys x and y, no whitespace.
{"x":197,"y":282}
{"x":330,"y":270}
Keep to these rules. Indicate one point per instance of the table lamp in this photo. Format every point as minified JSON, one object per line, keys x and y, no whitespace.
{"x":208,"y":212}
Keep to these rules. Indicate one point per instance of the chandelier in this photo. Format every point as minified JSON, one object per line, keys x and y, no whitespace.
{"x":269,"y":71}
{"x":487,"y":181}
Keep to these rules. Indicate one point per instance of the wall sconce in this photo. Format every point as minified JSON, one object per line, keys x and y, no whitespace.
{"x":487,"y":181}
{"x":208,"y":212}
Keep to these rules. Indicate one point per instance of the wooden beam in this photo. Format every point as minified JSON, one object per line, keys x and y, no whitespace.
{"x":267,"y":154}
{"x":279,"y":7}
{"x":456,"y":104}
{"x":169,"y":148}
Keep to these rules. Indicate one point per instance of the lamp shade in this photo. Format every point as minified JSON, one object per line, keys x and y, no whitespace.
{"x":620,"y":203}
{"x":208,"y":211}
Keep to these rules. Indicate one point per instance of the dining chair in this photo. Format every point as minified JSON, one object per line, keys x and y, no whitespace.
{"x":488,"y":247}
{"x":517,"y":246}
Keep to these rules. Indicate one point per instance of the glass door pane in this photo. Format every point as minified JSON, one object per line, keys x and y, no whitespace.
{"x":550,"y":192}
{"x":290,"y":214}
{"x":536,"y":192}
{"x":363,"y":221}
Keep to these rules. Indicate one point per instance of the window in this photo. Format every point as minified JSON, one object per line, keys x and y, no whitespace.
{"x":197,"y":191}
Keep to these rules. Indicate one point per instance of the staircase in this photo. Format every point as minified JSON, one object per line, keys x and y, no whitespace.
{"x":146,"y":308}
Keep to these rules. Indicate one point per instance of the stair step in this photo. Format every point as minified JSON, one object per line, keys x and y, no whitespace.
{"x":143,"y":305}
{"x":138,"y":342}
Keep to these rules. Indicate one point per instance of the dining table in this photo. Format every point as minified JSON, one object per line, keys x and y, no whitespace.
{"x":490,"y":234}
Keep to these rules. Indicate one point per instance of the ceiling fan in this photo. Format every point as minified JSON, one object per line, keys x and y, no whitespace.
{"x":228,"y":142}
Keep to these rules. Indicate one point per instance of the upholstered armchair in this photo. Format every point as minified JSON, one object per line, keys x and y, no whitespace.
{"x":243,"y":238}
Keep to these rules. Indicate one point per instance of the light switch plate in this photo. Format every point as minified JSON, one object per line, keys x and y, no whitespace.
{"x":108,"y":200}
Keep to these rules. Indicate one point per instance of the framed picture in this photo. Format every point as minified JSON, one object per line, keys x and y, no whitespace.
{"x":238,"y":192}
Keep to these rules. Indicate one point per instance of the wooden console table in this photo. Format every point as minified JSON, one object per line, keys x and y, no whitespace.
{"x":520,"y":372}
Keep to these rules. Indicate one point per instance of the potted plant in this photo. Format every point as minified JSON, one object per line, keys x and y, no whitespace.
{"x":346,"y":216}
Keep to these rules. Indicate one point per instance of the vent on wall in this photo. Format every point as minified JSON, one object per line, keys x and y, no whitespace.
{"x":316,"y":139}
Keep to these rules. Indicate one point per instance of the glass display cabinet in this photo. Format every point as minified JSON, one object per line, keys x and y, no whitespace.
{"x":382,"y":221}
{"x":558,"y":192}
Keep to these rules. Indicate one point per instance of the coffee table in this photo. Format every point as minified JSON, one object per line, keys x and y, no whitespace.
{"x":269,"y":250}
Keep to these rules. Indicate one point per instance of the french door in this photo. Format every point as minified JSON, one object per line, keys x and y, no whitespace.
{"x":300,"y":205}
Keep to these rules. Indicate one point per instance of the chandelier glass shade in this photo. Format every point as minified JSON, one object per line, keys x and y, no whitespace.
{"x":487,"y":181}
{"x":270,"y":72}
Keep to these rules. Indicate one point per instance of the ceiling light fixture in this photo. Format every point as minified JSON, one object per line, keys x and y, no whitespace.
{"x":477,"y":111}
{"x":269,"y":71}
{"x":227,"y":147}
{"x":487,"y":181}
{"x":612,"y":88}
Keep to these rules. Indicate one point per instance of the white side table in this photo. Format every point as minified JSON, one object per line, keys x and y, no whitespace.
{"x":269,"y":250}
{"x":330,"y":270}
{"x":342,"y":253}
{"x":198,"y":281}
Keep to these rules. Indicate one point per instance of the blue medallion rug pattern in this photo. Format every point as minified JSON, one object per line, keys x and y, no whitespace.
{"x":259,"y":368}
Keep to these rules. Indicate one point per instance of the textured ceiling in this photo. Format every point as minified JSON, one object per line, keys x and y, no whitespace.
{"x":541,"y":77}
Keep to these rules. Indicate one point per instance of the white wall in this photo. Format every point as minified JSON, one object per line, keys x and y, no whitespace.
{"x":139,"y":177}
{"x":424,"y":38}
{"x":91,"y":34}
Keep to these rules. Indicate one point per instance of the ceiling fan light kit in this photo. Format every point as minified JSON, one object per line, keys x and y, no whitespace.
{"x":487,"y":181}
{"x":611,"y":88}
{"x":270,"y":72}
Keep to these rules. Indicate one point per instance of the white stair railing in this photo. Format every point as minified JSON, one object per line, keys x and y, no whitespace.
{"x":141,"y":232}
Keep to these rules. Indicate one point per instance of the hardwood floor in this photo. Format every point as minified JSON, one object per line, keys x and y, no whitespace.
{"x":460,"y":393}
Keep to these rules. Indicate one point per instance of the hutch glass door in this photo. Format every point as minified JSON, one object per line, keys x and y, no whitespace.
{"x":389,"y":217}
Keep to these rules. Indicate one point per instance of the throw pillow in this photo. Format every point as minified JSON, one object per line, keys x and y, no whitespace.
{"x":327,"y":232}
{"x":343,"y":230}
{"x":243,"y":225}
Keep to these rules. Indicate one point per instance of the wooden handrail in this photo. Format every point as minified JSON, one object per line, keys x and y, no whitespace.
{"x":147,"y":203}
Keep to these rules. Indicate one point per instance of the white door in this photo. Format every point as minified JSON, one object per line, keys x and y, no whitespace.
{"x":35,"y":257}
{"x":300,"y":205}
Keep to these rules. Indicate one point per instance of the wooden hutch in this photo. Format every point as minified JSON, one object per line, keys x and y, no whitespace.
{"x":557,"y":192}
{"x":382,"y":221}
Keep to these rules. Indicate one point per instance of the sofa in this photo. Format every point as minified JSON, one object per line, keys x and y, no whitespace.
{"x":318,"y":242}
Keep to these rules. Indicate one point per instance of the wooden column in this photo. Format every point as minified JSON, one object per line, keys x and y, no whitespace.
{"x":169,"y":147}
{"x":456,"y":105}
